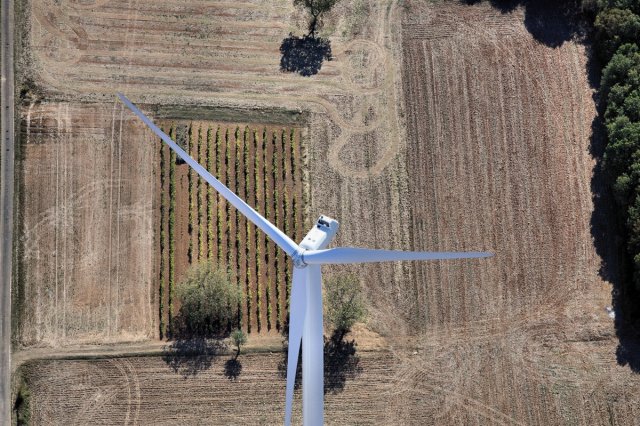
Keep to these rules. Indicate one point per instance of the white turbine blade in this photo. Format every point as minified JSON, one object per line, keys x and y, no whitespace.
{"x":297,"y":313}
{"x":359,"y":255}
{"x":281,"y":239}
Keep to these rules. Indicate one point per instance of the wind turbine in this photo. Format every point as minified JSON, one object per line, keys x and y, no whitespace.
{"x":305,"y":309}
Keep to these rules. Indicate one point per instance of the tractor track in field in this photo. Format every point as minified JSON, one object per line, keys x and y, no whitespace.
{"x":339,"y":79}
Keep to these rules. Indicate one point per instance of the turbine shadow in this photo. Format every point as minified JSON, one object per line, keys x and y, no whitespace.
{"x":341,"y":363}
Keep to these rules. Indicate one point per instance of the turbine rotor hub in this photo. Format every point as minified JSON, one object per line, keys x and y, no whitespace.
{"x":298,"y":258}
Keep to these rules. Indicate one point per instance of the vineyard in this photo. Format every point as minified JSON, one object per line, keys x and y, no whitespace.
{"x":264,"y":166}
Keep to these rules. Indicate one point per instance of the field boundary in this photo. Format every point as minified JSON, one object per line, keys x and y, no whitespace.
{"x":151,"y":349}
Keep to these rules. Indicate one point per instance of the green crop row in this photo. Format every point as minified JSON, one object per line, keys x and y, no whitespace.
{"x":237,"y":220}
{"x":190,"y":180}
{"x":162,"y":243}
{"x":211,"y":160}
{"x":172,"y":220}
{"x":202,"y":195}
{"x":277,"y":220}
{"x":258,"y":237}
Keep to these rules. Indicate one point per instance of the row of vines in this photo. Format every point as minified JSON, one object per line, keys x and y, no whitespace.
{"x":263,"y":165}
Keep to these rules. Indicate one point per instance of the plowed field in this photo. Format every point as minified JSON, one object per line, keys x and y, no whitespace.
{"x":146,"y":391}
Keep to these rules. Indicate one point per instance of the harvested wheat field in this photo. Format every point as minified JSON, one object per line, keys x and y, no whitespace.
{"x":87,"y":261}
{"x":436,"y":126}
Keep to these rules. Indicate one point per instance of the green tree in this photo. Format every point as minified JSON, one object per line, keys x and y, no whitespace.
{"x":344,"y":303}
{"x":239,"y":338}
{"x":622,"y":69}
{"x":633,"y":5}
{"x":209,"y":302}
{"x":316,"y":9}
{"x":615,"y":27}
{"x":623,"y":144}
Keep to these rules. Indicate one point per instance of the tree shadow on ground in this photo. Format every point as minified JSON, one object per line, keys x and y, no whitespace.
{"x":190,"y":353}
{"x":189,"y":356}
{"x":551,"y":22}
{"x":232,"y":369}
{"x":341,"y":363}
{"x":304,"y":55}
{"x":607,"y":230}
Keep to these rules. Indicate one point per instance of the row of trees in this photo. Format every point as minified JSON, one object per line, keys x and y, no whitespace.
{"x":617,"y":27}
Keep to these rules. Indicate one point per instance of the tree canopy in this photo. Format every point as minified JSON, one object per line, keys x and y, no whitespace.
{"x":316,"y":9}
{"x":210,"y":301}
{"x":239,"y":338}
{"x":615,"y":27}
{"x":344,"y":303}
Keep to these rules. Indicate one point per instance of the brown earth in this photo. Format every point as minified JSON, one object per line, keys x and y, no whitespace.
{"x":440,"y":126}
{"x":384,"y":390}
{"x":147,"y":391}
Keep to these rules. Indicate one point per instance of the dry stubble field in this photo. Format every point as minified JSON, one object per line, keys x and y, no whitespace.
{"x":440,"y":126}
{"x":87,"y":264}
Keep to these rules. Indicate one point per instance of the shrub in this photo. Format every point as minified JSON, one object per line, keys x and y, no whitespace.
{"x":238,"y":338}
{"x":344,"y":303}
{"x":22,"y":405}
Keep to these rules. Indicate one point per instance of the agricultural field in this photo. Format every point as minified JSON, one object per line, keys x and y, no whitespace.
{"x":86,"y":217}
{"x":264,"y":166}
{"x":143,"y":390}
{"x":436,"y":126}
{"x":194,"y":63}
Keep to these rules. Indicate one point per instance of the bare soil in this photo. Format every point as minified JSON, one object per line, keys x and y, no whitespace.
{"x":145,"y":390}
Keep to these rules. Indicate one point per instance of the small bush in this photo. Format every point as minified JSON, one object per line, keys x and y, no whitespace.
{"x":22,"y":405}
{"x":238,"y":338}
{"x":344,"y":303}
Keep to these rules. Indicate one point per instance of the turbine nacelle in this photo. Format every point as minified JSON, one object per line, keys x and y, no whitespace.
{"x":317,"y":238}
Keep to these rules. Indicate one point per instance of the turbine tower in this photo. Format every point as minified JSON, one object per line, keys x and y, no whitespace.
{"x":305,"y":309}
